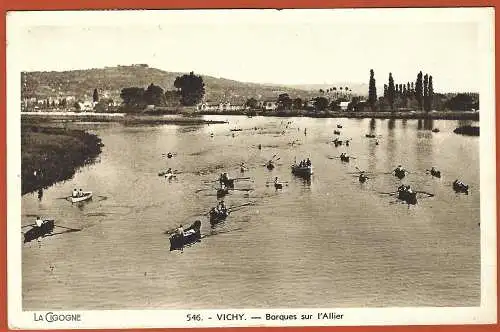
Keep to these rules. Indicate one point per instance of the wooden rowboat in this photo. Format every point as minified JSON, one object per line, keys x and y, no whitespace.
{"x":460,"y":187}
{"x":405,"y":194}
{"x":221,"y":192}
{"x":191,"y":235}
{"x":35,"y":232}
{"x":217,"y":216}
{"x":86,"y":196}
{"x":306,"y":171}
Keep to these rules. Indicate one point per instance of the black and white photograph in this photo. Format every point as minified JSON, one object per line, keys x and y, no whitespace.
{"x":202,"y":168}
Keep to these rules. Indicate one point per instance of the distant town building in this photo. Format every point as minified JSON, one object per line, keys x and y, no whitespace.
{"x":344,"y":105}
{"x":269,"y":104}
{"x":219,"y":106}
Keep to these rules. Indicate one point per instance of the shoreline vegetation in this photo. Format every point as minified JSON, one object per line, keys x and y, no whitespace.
{"x":189,"y":116}
{"x":50,"y":155}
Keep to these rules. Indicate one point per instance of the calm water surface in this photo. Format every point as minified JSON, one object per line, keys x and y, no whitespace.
{"x":332,"y":242}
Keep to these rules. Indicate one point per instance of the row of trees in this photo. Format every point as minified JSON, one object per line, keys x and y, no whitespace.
{"x":190,"y":90}
{"x":422,"y":91}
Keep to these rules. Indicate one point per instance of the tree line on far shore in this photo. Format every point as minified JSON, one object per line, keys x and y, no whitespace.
{"x":189,"y":91}
{"x":418,"y":95}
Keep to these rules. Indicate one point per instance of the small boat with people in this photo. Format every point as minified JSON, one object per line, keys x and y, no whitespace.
{"x":434,"y":172}
{"x":370,"y":135}
{"x":435,"y":130}
{"x":339,"y":126}
{"x":40,"y":229}
{"x":336,"y":132}
{"x":224,"y":180}
{"x":460,"y":187}
{"x":362,"y":177}
{"x":270,"y":165}
{"x":303,"y":168}
{"x":344,"y":158}
{"x":405,"y":193}
{"x":168,"y":174}
{"x":182,"y":237}
{"x":277,"y":184}
{"x":337,"y":142}
{"x":399,"y":172}
{"x":221,"y":192}
{"x":218,"y":214}
{"x":80,"y":196}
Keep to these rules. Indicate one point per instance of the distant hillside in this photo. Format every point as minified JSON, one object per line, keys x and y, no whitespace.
{"x":110,"y":80}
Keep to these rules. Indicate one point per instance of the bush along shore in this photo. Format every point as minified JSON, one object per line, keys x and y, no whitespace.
{"x":50,"y":155}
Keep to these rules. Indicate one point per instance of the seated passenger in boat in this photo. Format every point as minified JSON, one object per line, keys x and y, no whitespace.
{"x":222,"y":207}
{"x":38,"y":221}
{"x":80,"y":193}
{"x":399,"y":169}
{"x":75,"y":193}
{"x":308,"y":162}
{"x":180,"y":231}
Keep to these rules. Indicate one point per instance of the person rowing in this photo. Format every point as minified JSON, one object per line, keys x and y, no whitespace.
{"x":308,"y":162}
{"x":38,"y":221}
{"x":80,"y":193}
{"x":75,"y":193}
{"x":362,"y":177}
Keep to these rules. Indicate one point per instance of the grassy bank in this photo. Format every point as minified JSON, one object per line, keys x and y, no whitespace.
{"x":50,"y":155}
{"x":127,"y":119}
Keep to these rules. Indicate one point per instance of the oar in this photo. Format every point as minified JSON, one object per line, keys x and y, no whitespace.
{"x":241,"y":189}
{"x":241,"y":205}
{"x":69,"y":228}
{"x":247,"y":178}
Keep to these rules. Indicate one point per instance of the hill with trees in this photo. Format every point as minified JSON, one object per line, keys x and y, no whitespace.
{"x":111,"y":80}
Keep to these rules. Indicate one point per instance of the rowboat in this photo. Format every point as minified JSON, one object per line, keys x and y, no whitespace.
{"x":336,"y":132}
{"x":270,"y":165}
{"x":344,"y":158}
{"x":86,"y":196}
{"x":399,"y":173}
{"x":217,"y":216}
{"x":191,"y":235}
{"x":221,"y":192}
{"x":305,"y":171}
{"x":405,"y":194}
{"x":370,"y":135}
{"x":339,"y":126}
{"x":436,"y":173}
{"x":278,"y":185}
{"x":337,"y":142}
{"x":229,"y":183}
{"x":35,"y":232}
{"x":435,"y":130}
{"x":362,"y":178}
{"x":460,"y":187}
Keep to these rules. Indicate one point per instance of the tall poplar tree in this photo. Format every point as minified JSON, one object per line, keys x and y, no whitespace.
{"x":372,"y":91}
{"x":426,"y":93}
{"x":419,"y":89}
{"x":391,"y":91}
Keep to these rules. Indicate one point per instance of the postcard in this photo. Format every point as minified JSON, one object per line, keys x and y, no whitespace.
{"x":231,"y":168}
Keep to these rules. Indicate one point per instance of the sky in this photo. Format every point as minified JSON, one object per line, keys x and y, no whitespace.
{"x":264,"y":46}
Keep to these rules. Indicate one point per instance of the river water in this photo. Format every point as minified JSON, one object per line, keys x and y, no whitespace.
{"x":330,"y":242}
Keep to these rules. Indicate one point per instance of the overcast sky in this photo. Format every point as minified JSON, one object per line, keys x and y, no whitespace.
{"x":264,"y":46}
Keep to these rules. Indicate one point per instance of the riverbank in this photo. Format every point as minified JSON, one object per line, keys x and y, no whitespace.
{"x":37,"y":117}
{"x":436,"y":115}
{"x":50,"y":155}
